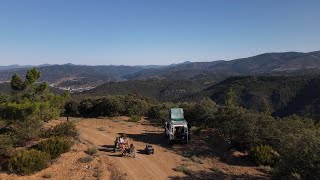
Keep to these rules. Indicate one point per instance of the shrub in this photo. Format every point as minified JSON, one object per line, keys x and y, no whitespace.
{"x":245,"y":129}
{"x":54,"y":146}
{"x":300,"y":156}
{"x":135,"y":105}
{"x":17,"y":111}
{"x":28,"y":161}
{"x":91,"y":151}
{"x":203,"y":113}
{"x":85,"y":159}
{"x":263,"y":155}
{"x":63,"y":129}
{"x":182,"y":168}
{"x":86,"y":107}
{"x":160,"y":111}
{"x":24,"y":131}
{"x":5,"y":145}
{"x":97,"y":173}
{"x":108,"y":106}
{"x":71,"y":108}
{"x":135,"y":118}
{"x":47,"y":176}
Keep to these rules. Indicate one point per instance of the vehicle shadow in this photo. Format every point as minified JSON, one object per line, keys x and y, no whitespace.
{"x":115,"y":155}
{"x":202,"y":146}
{"x":106,"y":148}
{"x":214,"y":175}
{"x":141,"y":151}
{"x":150,"y":138}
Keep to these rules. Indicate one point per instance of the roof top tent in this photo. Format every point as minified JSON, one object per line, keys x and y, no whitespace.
{"x":176,"y":114}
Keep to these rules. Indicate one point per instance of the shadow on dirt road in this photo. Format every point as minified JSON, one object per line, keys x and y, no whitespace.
{"x":214,"y":175}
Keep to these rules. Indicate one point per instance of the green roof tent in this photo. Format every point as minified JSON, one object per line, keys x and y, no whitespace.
{"x":176,"y":114}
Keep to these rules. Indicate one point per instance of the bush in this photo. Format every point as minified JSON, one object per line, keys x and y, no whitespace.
{"x":17,"y":111}
{"x":5,"y":145}
{"x":71,"y":108}
{"x":64,"y":129}
{"x":135,"y":105}
{"x":263,"y":155}
{"x":91,"y":151}
{"x":47,"y":176}
{"x":161,"y":111}
{"x":97,"y":174}
{"x":245,"y":129}
{"x":108,"y":106}
{"x":135,"y":118}
{"x":54,"y":146}
{"x":300,"y":156}
{"x":85,"y":159}
{"x":86,"y":107}
{"x":28,"y":161}
{"x":203,"y":113}
{"x":182,"y":168}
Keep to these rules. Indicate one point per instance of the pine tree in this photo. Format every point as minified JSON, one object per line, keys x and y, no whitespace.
{"x":16,"y":83}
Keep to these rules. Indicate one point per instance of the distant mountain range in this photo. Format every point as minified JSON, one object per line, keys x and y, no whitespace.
{"x":275,"y":63}
{"x":269,"y":63}
{"x":14,"y":66}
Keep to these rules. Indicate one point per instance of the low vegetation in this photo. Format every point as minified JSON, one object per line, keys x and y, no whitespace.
{"x":22,"y":114}
{"x":28,"y":161}
{"x":182,"y":168}
{"x":86,"y":159}
{"x":91,"y":151}
{"x":47,"y":176}
{"x":55,"y":146}
{"x":67,"y":129}
{"x":135,"y":118}
{"x":263,"y":155}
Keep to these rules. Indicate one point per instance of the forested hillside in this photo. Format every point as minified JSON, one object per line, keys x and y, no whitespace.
{"x":276,"y":95}
{"x":165,"y":90}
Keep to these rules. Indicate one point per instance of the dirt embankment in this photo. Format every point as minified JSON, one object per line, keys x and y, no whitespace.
{"x":196,"y":160}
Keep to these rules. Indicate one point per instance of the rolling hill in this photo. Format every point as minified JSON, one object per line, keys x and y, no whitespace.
{"x":269,"y":63}
{"x":165,"y":90}
{"x":278,"y":95}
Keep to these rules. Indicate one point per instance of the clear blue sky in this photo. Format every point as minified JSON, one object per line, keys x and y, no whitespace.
{"x":134,"y":32}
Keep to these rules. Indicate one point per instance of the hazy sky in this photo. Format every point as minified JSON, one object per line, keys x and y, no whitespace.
{"x":134,"y":32}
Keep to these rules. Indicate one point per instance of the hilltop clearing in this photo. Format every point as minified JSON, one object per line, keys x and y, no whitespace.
{"x":196,"y":160}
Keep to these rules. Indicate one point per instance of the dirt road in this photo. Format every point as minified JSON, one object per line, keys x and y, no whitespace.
{"x":166,"y":163}
{"x":157,"y":166}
